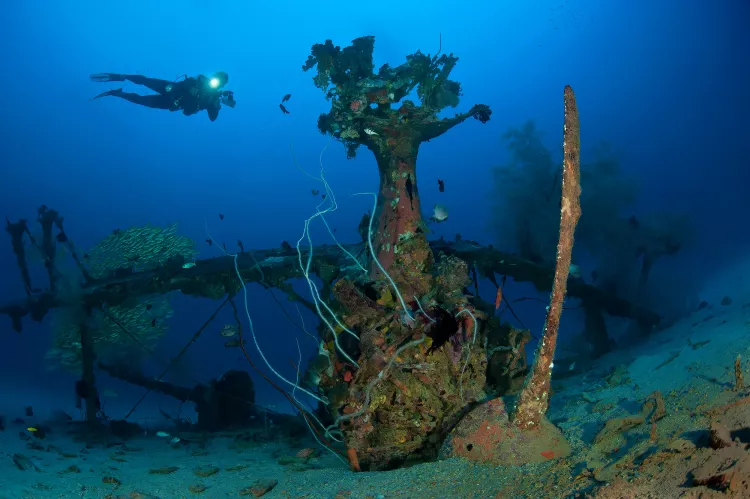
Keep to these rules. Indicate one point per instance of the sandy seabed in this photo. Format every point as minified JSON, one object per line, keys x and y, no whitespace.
{"x":698,"y":447}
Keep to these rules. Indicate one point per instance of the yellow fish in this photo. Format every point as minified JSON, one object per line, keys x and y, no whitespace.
{"x":32,"y":429}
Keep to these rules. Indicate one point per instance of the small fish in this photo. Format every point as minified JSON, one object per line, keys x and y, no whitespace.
{"x":162,"y":434}
{"x":188,"y":265}
{"x":153,"y":323}
{"x":439,"y":213}
{"x":575,"y":271}
{"x":233,"y":343}
{"x":62,"y":238}
{"x":109,"y":393}
{"x":370,"y":131}
{"x":441,"y":185}
{"x":323,"y":196}
{"x":498,"y":297}
{"x":633,"y":222}
{"x":174,"y":440}
{"x":283,"y":109}
{"x":305,"y":453}
{"x":315,"y":192}
{"x":221,"y":216}
{"x":39,"y":433}
{"x":149,"y":306}
{"x":241,"y":246}
{"x":286,"y":97}
{"x":410,"y":191}
{"x":116,"y":232}
{"x":86,"y":256}
{"x":210,"y":241}
{"x":572,"y":366}
{"x":228,"y":331}
{"x":594,"y":275}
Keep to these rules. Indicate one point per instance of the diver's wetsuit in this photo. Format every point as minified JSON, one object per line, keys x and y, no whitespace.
{"x":190,"y":95}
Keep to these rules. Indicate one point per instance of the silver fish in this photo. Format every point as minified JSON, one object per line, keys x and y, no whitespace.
{"x":228,"y":331}
{"x":439,"y":213}
{"x":575,"y":271}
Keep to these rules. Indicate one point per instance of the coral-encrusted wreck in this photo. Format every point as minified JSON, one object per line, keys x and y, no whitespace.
{"x":420,"y":359}
{"x":369,"y":110}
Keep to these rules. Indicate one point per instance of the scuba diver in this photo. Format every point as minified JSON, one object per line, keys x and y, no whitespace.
{"x":190,"y":95}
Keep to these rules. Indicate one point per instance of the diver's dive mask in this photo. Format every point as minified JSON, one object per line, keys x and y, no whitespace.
{"x":227,"y":98}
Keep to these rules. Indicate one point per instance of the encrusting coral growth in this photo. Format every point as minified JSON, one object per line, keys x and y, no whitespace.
{"x":489,"y":433}
{"x":368,"y":109}
{"x":419,"y":359}
{"x":533,"y":401}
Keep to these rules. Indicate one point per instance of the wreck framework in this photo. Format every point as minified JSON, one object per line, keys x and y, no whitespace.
{"x":405,"y":341}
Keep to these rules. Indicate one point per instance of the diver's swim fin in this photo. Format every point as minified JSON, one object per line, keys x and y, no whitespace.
{"x":105,"y":77}
{"x":114,"y":91}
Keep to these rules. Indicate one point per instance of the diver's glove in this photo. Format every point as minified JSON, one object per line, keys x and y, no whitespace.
{"x":105,"y":77}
